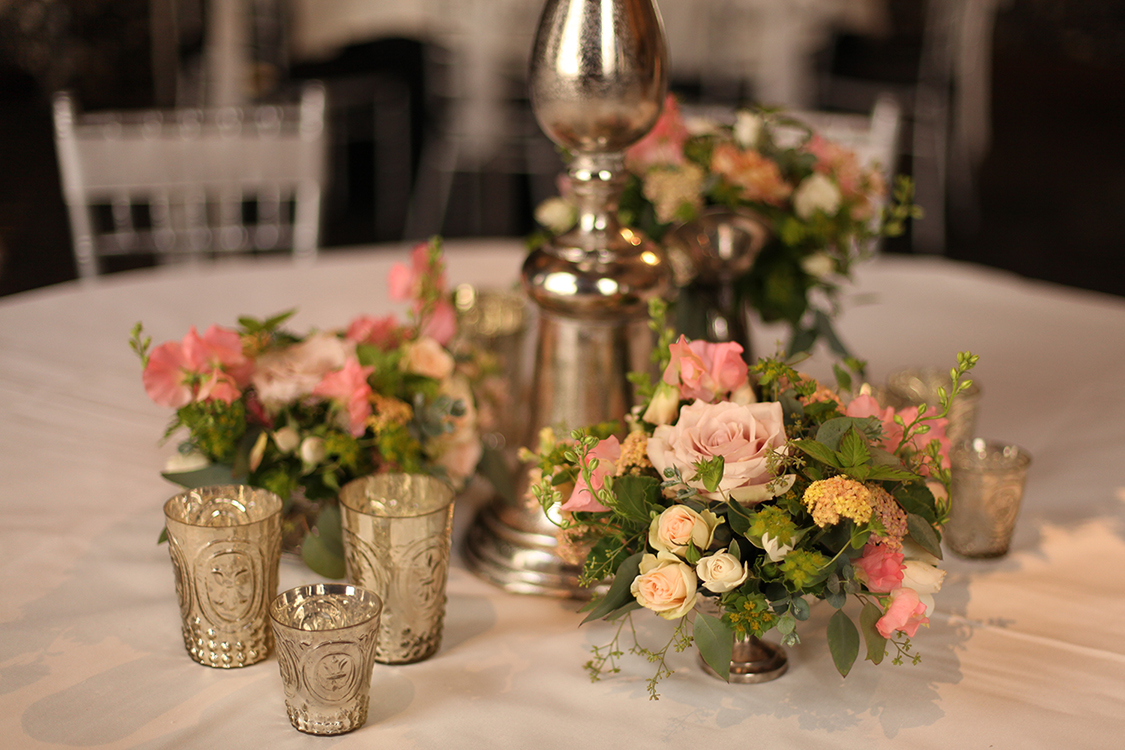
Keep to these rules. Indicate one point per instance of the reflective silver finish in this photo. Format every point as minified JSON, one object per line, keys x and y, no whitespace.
{"x":396,"y":543}
{"x":326,"y":635}
{"x":225,"y":544}
{"x":919,"y":385}
{"x":985,"y":495}
{"x":752,"y":661}
{"x":598,"y":80}
{"x":717,"y":248}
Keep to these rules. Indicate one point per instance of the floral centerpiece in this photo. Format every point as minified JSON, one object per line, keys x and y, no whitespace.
{"x":303,"y":414}
{"x":825,"y":208}
{"x":756,"y":507}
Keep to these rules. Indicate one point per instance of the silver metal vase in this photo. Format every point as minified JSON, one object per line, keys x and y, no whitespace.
{"x":598,"y":80}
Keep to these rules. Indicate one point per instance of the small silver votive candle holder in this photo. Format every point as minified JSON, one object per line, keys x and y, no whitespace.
{"x":988,"y":480}
{"x":913,"y":386}
{"x":326,"y":635}
{"x":396,"y":530}
{"x":225,"y":544}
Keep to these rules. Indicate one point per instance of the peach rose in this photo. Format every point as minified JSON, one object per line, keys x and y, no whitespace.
{"x":743,"y":434}
{"x":757,"y":177}
{"x":666,"y":585}
{"x":428,"y":358}
{"x":678,"y":526}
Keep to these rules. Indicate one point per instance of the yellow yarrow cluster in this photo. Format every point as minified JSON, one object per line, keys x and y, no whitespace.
{"x":389,"y":412}
{"x":634,"y":454}
{"x":829,"y":500}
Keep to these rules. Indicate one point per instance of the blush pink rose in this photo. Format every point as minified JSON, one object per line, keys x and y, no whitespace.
{"x":664,"y":144}
{"x":743,"y":434}
{"x":704,"y":370}
{"x":880,"y":568}
{"x":285,"y":375}
{"x":349,"y":387}
{"x":905,"y":613}
{"x":582,"y":499}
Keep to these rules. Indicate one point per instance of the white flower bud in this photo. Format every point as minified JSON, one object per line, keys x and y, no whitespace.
{"x":816,"y":193}
{"x":286,"y":439}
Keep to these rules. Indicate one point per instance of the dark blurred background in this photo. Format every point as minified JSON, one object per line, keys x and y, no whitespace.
{"x":1045,"y":198}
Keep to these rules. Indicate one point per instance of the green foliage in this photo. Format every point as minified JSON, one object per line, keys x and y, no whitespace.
{"x":715,"y":641}
{"x":323,"y":549}
{"x":843,"y":641}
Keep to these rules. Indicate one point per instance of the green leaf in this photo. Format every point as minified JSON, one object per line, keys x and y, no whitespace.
{"x":710,"y":472}
{"x":831,"y":432}
{"x":163,"y":536}
{"x":619,"y":593}
{"x":843,"y":641}
{"x":715,"y":641}
{"x":922,"y":532}
{"x":818,"y":451}
{"x":837,"y":599}
{"x":738,"y":518}
{"x":916,"y":498}
{"x":735,"y":550}
{"x":800,"y":608}
{"x":208,"y":475}
{"x":853,"y":451}
{"x":691,"y":554}
{"x":323,"y":548}
{"x":635,"y":496}
{"x":843,"y":377}
{"x":890,"y":473}
{"x":876,"y":643}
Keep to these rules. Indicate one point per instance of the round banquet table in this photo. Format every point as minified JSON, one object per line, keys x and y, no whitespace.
{"x":1025,"y":651}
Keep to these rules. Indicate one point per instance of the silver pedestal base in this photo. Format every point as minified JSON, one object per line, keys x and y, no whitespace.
{"x":518,"y":561}
{"x":753,"y":661}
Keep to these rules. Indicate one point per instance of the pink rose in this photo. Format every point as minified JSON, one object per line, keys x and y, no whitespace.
{"x":666,"y":585}
{"x":880,"y":568}
{"x":905,"y":613}
{"x":384,"y":333}
{"x":350,"y":388}
{"x":704,"y":370}
{"x":743,"y":434}
{"x":583,"y":498}
{"x":664,"y":144}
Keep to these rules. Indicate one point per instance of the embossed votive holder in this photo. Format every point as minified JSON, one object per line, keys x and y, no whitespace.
{"x":225,"y":543}
{"x":396,"y":543}
{"x":913,"y":386}
{"x":326,"y":650}
{"x":985,"y":495}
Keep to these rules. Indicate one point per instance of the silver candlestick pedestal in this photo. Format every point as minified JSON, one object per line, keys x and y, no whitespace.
{"x":598,"y":78}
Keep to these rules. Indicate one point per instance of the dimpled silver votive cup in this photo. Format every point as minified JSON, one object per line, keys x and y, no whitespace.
{"x":396,"y":543}
{"x":326,"y":636}
{"x":225,"y":544}
{"x":985,"y":495}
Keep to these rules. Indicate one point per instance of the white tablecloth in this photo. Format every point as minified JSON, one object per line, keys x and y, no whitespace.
{"x":1024,"y":652}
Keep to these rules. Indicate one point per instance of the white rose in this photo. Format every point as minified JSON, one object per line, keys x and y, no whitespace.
{"x":665,"y":405}
{"x":747,"y":129}
{"x":427,"y":357}
{"x":180,"y":462}
{"x":816,"y":193}
{"x":666,"y":585}
{"x":556,"y":214}
{"x":678,"y":526}
{"x":312,"y":451}
{"x":722,"y":572}
{"x":286,"y":439}
{"x":818,"y":265}
{"x":281,"y":377}
{"x":922,"y":577}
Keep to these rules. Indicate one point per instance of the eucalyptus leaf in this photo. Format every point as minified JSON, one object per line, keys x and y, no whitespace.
{"x":876,"y":643}
{"x":715,"y":641}
{"x":843,"y":641}
{"x":800,"y":608}
{"x":208,"y":475}
{"x":838,"y":598}
{"x":619,"y":593}
{"x":922,"y":532}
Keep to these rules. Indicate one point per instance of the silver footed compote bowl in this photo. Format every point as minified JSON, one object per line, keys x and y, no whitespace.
{"x":598,"y":80}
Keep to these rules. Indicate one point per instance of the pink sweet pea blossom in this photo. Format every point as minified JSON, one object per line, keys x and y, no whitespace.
{"x":582,"y":498}
{"x":167,"y":376}
{"x":205,"y":368}
{"x":703,"y":370}
{"x":664,"y":144}
{"x":410,"y":283}
{"x":880,"y":568}
{"x":866,"y":406}
{"x":905,"y":613}
{"x":218,"y":349}
{"x":441,"y":325}
{"x":384,"y":333}
{"x":350,"y":388}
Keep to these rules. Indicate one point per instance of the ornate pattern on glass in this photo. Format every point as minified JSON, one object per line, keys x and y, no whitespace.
{"x":225,"y":545}
{"x":396,"y":543}
{"x":326,"y":635}
{"x":986,"y":491}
